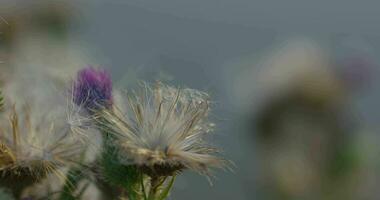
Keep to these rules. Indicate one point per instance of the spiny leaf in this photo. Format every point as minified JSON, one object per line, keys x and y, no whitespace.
{"x":118,"y":174}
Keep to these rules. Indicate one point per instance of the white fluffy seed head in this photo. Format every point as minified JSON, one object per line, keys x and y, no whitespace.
{"x":163,"y":127}
{"x":36,"y":142}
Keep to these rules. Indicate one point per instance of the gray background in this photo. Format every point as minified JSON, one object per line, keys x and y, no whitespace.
{"x":192,"y":42}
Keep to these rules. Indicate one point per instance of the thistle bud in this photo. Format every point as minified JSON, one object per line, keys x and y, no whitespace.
{"x":93,"y":89}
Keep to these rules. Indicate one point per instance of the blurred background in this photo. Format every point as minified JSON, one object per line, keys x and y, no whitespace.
{"x":294,"y":83}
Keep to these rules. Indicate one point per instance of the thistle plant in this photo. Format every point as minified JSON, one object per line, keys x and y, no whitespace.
{"x":32,"y":146}
{"x":92,"y":92}
{"x":149,"y":137}
{"x":160,"y":133}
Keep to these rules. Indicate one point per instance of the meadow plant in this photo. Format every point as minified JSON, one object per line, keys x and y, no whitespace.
{"x":148,"y":137}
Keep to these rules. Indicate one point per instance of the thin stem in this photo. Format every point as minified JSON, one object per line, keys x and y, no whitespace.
{"x":143,"y":187}
{"x":165,"y":193}
{"x":154,"y":184}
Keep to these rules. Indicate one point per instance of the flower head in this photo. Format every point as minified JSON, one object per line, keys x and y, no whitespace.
{"x":33,"y":145}
{"x":162,"y":130}
{"x":92,"y":89}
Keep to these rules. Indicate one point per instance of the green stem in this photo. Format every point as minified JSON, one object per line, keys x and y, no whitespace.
{"x":143,"y":187}
{"x":165,"y":193}
{"x":154,"y":184}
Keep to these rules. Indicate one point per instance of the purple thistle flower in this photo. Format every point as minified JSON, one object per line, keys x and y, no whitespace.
{"x":93,"y":89}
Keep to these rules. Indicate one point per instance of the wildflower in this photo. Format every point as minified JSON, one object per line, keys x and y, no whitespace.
{"x":162,"y":131}
{"x":92,"y":89}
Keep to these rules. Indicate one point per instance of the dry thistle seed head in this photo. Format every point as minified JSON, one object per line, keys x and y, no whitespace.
{"x":92,"y":89}
{"x":162,"y":130}
{"x":34,"y":144}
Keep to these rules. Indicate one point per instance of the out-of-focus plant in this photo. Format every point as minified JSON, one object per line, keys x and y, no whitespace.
{"x":5,"y":195}
{"x":34,"y":144}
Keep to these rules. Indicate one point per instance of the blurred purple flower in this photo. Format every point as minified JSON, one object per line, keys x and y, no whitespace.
{"x":357,"y":71}
{"x":93,"y":89}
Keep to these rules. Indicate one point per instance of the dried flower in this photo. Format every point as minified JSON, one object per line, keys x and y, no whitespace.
{"x":34,"y":144}
{"x":162,"y":130}
{"x":92,"y":89}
